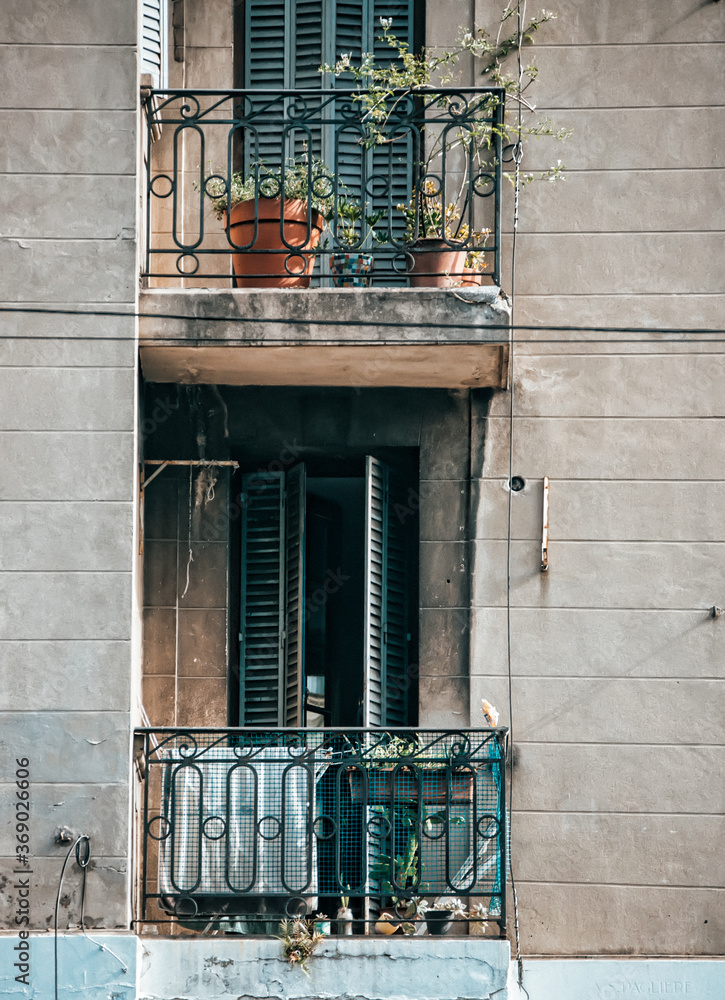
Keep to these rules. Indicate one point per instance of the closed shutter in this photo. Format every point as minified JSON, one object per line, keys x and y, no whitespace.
{"x":295,"y":597}
{"x":286,"y":41}
{"x":154,"y":41}
{"x":262,"y":600}
{"x":267,"y":47}
{"x":385,"y":697}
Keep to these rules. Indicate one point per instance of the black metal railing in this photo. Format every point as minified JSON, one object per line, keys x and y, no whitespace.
{"x":243,"y":828}
{"x":412,"y":199}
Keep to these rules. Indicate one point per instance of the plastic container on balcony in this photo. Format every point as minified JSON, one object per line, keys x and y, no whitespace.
{"x":289,"y":268}
{"x":383,"y":789}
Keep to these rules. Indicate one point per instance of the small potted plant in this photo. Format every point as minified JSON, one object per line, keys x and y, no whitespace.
{"x":352,"y":268}
{"x":273,"y":216}
{"x":439,"y":917}
{"x":391,"y":779}
{"x":445,"y":250}
{"x":344,"y":917}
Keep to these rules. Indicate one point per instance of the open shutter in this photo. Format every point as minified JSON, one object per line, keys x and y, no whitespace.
{"x":154,"y":40}
{"x":386,"y":611}
{"x":295,"y":597}
{"x":263,"y":611}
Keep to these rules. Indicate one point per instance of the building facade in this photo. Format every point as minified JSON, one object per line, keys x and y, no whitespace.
{"x":231,"y":506}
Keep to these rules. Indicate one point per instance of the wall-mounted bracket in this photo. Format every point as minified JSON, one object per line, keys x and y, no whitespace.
{"x":162,"y":464}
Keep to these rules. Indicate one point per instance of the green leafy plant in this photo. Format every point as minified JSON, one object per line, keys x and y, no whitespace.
{"x":384,"y":84}
{"x":305,"y":179}
{"x":356,"y":229}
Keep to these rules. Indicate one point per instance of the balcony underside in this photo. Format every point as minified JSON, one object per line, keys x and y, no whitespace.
{"x":375,"y":337}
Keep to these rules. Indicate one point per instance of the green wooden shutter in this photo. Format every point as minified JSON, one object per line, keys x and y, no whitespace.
{"x":272,"y":599}
{"x":262,"y":599}
{"x":295,"y":597}
{"x":386,"y":610}
{"x":267,"y":48}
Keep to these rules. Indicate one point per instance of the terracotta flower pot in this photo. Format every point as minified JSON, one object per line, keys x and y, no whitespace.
{"x":288,"y":268}
{"x":439,"y":257}
{"x":471,"y":277}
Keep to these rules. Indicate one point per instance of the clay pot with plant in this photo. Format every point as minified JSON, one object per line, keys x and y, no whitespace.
{"x":273,"y":217}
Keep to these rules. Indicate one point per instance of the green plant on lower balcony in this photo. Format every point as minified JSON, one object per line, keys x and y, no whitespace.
{"x":299,"y":940}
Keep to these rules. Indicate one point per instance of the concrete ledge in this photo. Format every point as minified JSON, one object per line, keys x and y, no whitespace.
{"x":444,"y":338}
{"x":404,"y":969}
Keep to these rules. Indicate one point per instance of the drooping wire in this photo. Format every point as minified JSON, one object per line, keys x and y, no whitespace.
{"x":83,"y":864}
{"x":190,"y":558}
{"x":82,"y":848}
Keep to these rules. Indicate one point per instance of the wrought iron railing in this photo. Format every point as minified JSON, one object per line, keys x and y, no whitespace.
{"x":243,"y":828}
{"x":412,"y":199}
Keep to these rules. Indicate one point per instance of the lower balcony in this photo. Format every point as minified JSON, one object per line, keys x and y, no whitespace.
{"x":352,"y":831}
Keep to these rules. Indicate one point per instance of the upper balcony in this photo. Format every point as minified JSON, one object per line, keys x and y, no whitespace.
{"x":252,"y":195}
{"x":268,"y":189}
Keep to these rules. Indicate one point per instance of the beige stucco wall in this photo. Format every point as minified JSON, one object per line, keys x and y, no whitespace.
{"x":617,"y":668}
{"x":68,"y":90}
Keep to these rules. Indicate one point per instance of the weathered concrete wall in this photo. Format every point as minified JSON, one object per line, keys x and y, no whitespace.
{"x":617,"y":668}
{"x":186,"y":650}
{"x":68,"y":209}
{"x":406,"y":969}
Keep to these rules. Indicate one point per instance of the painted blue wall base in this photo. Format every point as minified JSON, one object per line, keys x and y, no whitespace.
{"x":613,"y":979}
{"x":405,"y":969}
{"x":85,"y":971}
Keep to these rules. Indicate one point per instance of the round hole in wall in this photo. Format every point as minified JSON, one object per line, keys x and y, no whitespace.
{"x":517,"y":483}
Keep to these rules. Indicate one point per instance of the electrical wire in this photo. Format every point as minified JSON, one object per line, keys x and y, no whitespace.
{"x":82,"y":848}
{"x":517,"y":155}
{"x":707,"y":333}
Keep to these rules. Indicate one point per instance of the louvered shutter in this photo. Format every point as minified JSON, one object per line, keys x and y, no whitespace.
{"x":267,"y":49}
{"x":395,"y":159}
{"x":285,"y":43}
{"x":272,"y":633}
{"x":154,"y":40}
{"x":386,"y":588}
{"x":263,"y":609}
{"x":295,"y":597}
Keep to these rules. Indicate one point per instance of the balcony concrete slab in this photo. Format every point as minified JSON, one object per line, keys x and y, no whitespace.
{"x":444,"y":338}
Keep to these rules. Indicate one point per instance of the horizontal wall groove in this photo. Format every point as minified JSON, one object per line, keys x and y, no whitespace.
{"x":619,"y":743}
{"x":599,"y":677}
{"x":613,"y":812}
{"x":583,"y":541}
{"x":582,"y":607}
{"x":627,"y":885}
